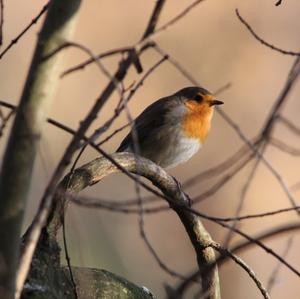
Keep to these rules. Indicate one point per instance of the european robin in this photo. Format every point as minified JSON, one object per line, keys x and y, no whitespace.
{"x":172,"y":129}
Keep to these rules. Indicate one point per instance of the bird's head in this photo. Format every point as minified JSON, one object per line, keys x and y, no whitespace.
{"x":198,"y":100}
{"x":199,"y":105}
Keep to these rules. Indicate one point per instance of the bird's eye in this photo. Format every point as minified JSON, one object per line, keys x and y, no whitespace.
{"x":198,"y":98}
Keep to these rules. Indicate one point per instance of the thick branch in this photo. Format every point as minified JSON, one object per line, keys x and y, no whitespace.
{"x":20,"y":152}
{"x":99,"y":168}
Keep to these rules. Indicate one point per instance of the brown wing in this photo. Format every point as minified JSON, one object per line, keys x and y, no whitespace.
{"x":150,"y":121}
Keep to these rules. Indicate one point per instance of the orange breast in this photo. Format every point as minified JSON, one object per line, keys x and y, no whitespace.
{"x":196,"y":123}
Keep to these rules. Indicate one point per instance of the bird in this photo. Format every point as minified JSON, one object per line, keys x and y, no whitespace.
{"x":172,"y":129}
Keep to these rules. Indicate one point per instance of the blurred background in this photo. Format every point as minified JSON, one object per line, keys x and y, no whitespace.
{"x":216,"y":49}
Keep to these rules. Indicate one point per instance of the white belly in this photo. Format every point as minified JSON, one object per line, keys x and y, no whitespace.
{"x":180,"y":152}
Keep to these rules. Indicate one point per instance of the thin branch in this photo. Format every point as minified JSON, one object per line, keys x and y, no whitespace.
{"x":74,"y":287}
{"x":100,"y":65}
{"x":218,"y":169}
{"x":223,"y":88}
{"x":295,"y":186}
{"x":177,"y":18}
{"x":1,"y":21}
{"x":262,"y":41}
{"x":269,"y":166}
{"x":284,"y":147}
{"x":16,"y":39}
{"x":289,"y":124}
{"x":98,"y":132}
{"x":242,"y":199}
{"x":274,"y":274}
{"x":223,"y":180}
{"x":154,"y":19}
{"x":145,"y":41}
{"x":90,"y":202}
{"x":5,"y":120}
{"x":283,"y":96}
{"x":82,"y":65}
{"x":240,"y":262}
{"x":112,"y":134}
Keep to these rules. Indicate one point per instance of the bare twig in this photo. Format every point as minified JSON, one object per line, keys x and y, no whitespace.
{"x":289,"y":124}
{"x":98,"y":132}
{"x":112,"y":134}
{"x":82,"y":65}
{"x":177,"y":18}
{"x":5,"y":120}
{"x":274,"y":274}
{"x":145,"y":41}
{"x":16,"y":39}
{"x":282,"y":98}
{"x":240,"y":262}
{"x":1,"y":21}
{"x":285,"y":147}
{"x":68,"y":258}
{"x":243,"y":195}
{"x":154,"y":19}
{"x":262,"y":41}
{"x":90,"y":202}
{"x":269,"y":166}
{"x":223,"y":180}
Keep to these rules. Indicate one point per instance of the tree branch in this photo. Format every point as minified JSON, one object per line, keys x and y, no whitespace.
{"x":21,"y":149}
{"x":99,"y":168}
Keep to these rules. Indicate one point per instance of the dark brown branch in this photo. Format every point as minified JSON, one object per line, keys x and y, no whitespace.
{"x":262,"y":41}
{"x":225,"y":252}
{"x":154,"y":19}
{"x":243,"y":195}
{"x":4,"y":121}
{"x":178,"y":17}
{"x":16,"y":39}
{"x":85,"y":63}
{"x":144,"y":42}
{"x":282,"y":98}
{"x":284,"y":147}
{"x":1,"y":21}
{"x":274,"y":274}
{"x":89,"y":202}
{"x":289,"y":125}
{"x":223,"y":166}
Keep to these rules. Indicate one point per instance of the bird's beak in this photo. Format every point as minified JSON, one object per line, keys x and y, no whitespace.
{"x":215,"y":102}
